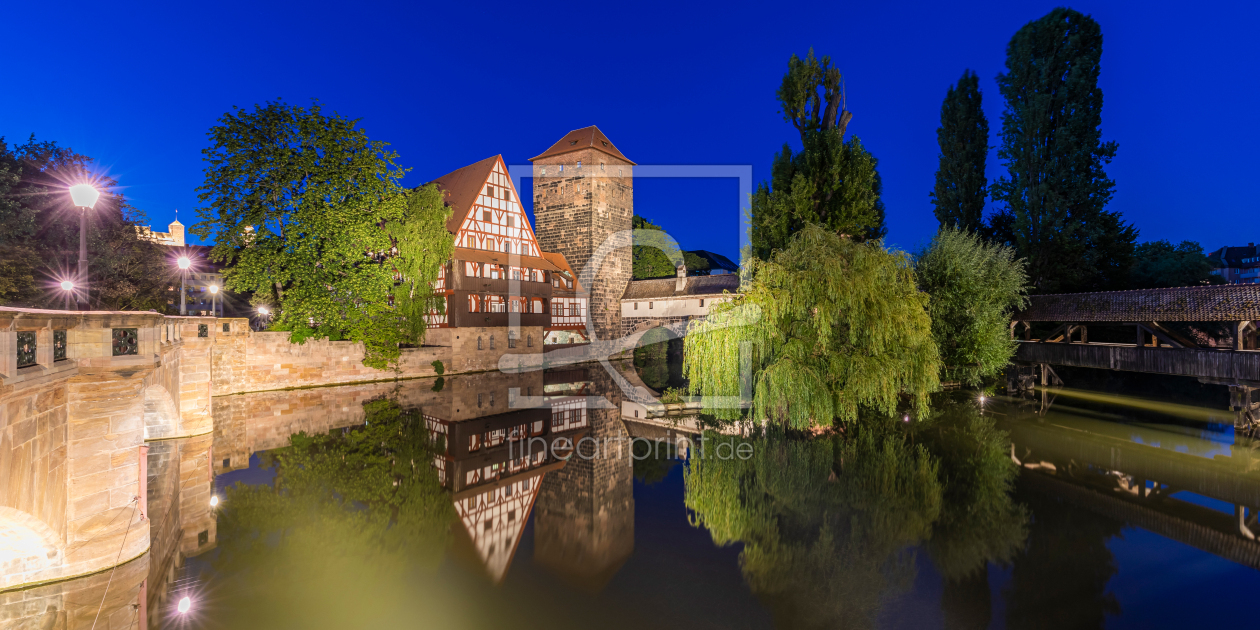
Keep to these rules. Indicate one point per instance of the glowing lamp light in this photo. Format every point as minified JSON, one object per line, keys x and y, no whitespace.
{"x":66,"y":285}
{"x":214,"y":289}
{"x":84,"y":196}
{"x":185,"y":605}
{"x":906,"y":419}
{"x":982,"y":399}
{"x":214,"y":500}
{"x":262,"y":310}
{"x":183,"y":262}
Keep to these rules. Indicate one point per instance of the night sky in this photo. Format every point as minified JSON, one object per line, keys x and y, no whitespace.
{"x":136,"y":85}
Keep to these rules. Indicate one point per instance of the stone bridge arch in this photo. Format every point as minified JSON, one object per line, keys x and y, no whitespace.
{"x":28,"y":547}
{"x":161,"y":414}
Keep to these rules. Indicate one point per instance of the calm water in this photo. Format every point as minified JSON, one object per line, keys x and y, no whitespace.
{"x":337,"y":512}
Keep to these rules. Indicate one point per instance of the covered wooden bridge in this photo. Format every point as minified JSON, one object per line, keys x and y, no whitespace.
{"x":1156,"y":347}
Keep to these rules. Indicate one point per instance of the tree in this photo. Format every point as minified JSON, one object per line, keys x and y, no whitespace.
{"x":649,"y":262}
{"x":1056,"y":190}
{"x":1160,"y":264}
{"x":830,"y":182}
{"x":423,"y":246}
{"x":963,"y":136}
{"x":298,"y":204}
{"x":830,"y":325}
{"x":39,"y":235}
{"x":973,"y":287}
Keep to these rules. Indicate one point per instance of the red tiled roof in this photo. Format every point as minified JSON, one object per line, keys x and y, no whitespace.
{"x":585,"y":138}
{"x":461,"y":187}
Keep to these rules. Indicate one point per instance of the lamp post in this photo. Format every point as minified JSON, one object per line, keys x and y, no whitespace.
{"x":184,"y":264}
{"x":84,"y":197}
{"x":214,"y":294}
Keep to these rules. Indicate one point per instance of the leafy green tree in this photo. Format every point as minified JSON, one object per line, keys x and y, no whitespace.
{"x":302,"y":206}
{"x":1056,"y":189}
{"x":830,"y":182}
{"x":973,"y":288}
{"x":649,"y":262}
{"x":963,"y":136}
{"x":423,"y":246}
{"x":829,"y":325}
{"x":1160,"y":264}
{"x":39,"y":235}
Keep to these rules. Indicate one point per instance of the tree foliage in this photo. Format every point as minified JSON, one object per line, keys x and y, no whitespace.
{"x":39,"y":235}
{"x":1056,"y":189}
{"x":973,"y":286}
{"x":423,"y":247}
{"x":963,"y":137}
{"x":301,"y":206}
{"x":829,"y":325}
{"x":830,"y":182}
{"x":1160,"y":264}
{"x":651,"y":262}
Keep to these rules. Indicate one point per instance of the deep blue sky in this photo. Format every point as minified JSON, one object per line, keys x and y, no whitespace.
{"x":136,"y":85}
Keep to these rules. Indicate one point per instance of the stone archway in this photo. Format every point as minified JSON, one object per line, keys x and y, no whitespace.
{"x":161,"y":415}
{"x":28,"y":547}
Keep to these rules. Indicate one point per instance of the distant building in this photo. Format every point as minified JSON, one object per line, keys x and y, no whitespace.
{"x":202,"y":275}
{"x":1237,"y":265}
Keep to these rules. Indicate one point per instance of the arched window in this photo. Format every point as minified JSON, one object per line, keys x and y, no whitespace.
{"x":529,"y":343}
{"x":479,"y":343}
{"x":492,"y":342}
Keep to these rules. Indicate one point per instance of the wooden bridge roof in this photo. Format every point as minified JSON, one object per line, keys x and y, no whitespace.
{"x":1220,"y":303}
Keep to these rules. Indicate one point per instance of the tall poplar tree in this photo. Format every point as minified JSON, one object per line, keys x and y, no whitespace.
{"x":964,"y":139}
{"x":1056,"y":190}
{"x":829,"y":182}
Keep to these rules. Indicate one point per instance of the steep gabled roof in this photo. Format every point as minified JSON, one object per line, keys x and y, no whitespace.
{"x":585,"y":138}
{"x":558,"y":259}
{"x":460,"y":188}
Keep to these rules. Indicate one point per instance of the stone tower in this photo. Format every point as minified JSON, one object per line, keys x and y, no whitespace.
{"x":583,"y":195}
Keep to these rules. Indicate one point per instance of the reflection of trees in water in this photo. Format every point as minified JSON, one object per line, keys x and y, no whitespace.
{"x":1060,"y":578}
{"x":659,"y":359}
{"x":350,"y":512}
{"x":828,"y":524}
{"x":653,"y":460}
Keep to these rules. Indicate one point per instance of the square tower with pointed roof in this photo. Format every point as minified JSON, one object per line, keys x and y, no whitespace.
{"x":583,"y":197}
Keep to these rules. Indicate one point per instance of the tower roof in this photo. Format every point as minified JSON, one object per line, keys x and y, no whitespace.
{"x":460,"y":188}
{"x":584,"y":138}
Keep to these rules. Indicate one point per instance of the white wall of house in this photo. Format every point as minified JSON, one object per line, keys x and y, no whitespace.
{"x":668,"y":307}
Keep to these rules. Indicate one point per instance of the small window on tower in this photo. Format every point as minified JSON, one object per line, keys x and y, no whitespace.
{"x":579,"y":164}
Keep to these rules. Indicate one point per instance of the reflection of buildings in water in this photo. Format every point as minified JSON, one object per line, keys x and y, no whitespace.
{"x":494,"y":464}
{"x":108,"y":600}
{"x":584,"y":524}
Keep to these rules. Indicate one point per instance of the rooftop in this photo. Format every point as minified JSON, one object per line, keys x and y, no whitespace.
{"x":585,"y":138}
{"x":1218,"y":303}
{"x":662,"y":288}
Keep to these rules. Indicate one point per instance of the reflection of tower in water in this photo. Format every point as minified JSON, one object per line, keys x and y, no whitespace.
{"x":584,"y":515}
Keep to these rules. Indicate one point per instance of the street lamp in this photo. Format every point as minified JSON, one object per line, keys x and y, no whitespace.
{"x":184,"y":264}
{"x":84,"y":197}
{"x":68,"y":287}
{"x":214,"y":293}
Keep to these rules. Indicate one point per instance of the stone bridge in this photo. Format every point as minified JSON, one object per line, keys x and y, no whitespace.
{"x":85,"y":395}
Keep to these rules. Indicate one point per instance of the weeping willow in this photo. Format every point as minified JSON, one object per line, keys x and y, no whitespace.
{"x":424,"y":245}
{"x":841,"y":326}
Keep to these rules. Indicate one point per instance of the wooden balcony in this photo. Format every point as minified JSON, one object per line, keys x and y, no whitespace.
{"x":465,"y":319}
{"x":499,"y":286}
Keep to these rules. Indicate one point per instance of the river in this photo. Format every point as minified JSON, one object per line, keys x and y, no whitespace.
{"x":541,"y":506}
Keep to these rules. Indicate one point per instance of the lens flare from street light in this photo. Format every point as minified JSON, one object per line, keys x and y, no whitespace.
{"x":183,"y":262}
{"x":185,"y":605}
{"x":214,"y":288}
{"x":262,"y":310}
{"x":84,"y":195}
{"x":982,"y":399}
{"x":214,"y":500}
{"x":66,"y":285}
